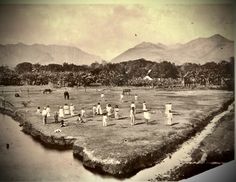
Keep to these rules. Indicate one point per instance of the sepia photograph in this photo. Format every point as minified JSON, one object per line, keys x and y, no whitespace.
{"x":116,"y":91}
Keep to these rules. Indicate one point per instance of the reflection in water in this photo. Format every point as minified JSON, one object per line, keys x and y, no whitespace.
{"x":28,"y":160}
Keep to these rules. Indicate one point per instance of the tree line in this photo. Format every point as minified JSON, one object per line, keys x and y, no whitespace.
{"x":119,"y":74}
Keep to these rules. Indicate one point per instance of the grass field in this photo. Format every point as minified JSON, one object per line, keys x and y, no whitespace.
{"x":116,"y":145}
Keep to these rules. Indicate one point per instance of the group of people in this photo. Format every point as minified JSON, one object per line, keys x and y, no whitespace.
{"x":45,"y":113}
{"x":107,"y":113}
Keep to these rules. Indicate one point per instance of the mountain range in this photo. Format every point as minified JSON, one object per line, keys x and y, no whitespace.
{"x":200,"y":50}
{"x":12,"y":54}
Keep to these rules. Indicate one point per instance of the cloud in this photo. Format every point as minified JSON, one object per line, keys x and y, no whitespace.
{"x":107,"y":30}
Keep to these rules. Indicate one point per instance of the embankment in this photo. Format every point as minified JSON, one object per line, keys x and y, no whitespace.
{"x":123,"y":163}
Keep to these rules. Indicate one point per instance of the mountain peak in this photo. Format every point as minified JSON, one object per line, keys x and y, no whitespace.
{"x":150,"y":45}
{"x":12,"y":54}
{"x":199,"y":50}
{"x":218,"y":37}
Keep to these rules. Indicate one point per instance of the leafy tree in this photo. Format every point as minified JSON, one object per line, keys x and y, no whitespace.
{"x":24,"y":67}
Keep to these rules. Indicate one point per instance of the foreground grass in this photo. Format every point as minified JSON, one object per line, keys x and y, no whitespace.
{"x":121,"y":148}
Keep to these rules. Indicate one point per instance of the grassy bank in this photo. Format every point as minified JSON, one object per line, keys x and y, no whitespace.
{"x":121,"y":149}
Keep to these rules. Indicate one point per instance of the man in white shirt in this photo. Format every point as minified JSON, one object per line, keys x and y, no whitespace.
{"x":44,"y":114}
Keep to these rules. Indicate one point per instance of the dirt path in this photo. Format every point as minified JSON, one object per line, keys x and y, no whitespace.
{"x":183,"y":156}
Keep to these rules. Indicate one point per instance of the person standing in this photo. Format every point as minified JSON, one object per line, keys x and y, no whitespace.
{"x":66,"y":95}
{"x":144,"y":106}
{"x":133,"y":106}
{"x":72,"y":109}
{"x":146,"y":116}
{"x":116,"y":110}
{"x":99,"y":109}
{"x":168,"y":107}
{"x":109,"y":110}
{"x":169,"y":118}
{"x":61,"y":113}
{"x":132,"y":116}
{"x":44,"y":114}
{"x":168,"y":113}
{"x":102,"y":96}
{"x":82,"y":113}
{"x":104,"y":119}
{"x":66,"y":109}
{"x":56,"y":117}
{"x":94,"y":109}
{"x":38,"y":110}
{"x":136,"y":97}
{"x":121,"y":97}
{"x":48,"y":111}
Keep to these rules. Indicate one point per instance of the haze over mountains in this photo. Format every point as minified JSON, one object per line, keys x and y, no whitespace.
{"x":201,"y":50}
{"x":12,"y":54}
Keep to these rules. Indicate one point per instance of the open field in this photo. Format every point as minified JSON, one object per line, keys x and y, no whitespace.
{"x":120,"y":149}
{"x":215,"y":149}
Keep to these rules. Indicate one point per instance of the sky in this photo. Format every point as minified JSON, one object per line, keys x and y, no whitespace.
{"x":107,"y":30}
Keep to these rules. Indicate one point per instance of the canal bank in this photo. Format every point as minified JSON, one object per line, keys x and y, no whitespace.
{"x":119,"y":163}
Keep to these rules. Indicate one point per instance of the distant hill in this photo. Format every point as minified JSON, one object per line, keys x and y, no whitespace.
{"x":12,"y":54}
{"x":201,"y":50}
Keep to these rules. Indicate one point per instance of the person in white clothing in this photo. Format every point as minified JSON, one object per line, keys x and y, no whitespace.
{"x":121,"y":97}
{"x":94,"y":109}
{"x":104,"y":119}
{"x":61,"y":113}
{"x":116,"y":110}
{"x":102,"y":96}
{"x":168,"y":113}
{"x":48,"y":111}
{"x":133,"y":106}
{"x":66,"y":109}
{"x":82,"y":113}
{"x":44,"y":114}
{"x":144,"y":106}
{"x":168,"y":107}
{"x":169,"y":118}
{"x":72,"y":110}
{"x":136,"y":97}
{"x":99,"y":109}
{"x":109,"y":110}
{"x":132,"y":116}
{"x":146,"y":116}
